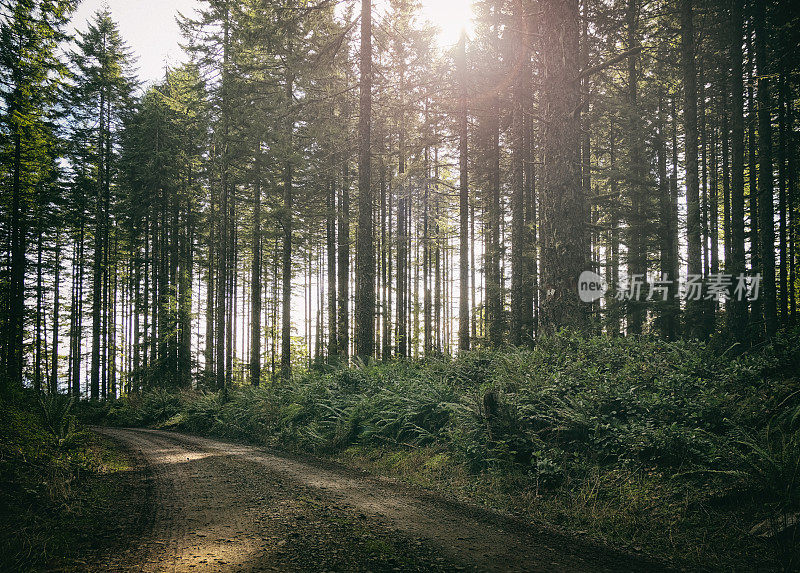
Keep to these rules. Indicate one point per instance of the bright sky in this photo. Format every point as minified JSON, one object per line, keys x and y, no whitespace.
{"x":451,"y":16}
{"x":149,"y":28}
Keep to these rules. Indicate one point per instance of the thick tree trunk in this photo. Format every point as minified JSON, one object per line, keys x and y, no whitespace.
{"x":519,"y":317}
{"x":37,"y":359}
{"x":494,"y":287}
{"x":725,"y":129}
{"x":222,"y":293}
{"x":791,"y":174}
{"x":674,"y":221}
{"x":562,"y":201}
{"x":783,"y":251}
{"x":765,"y":178}
{"x":637,"y":255}
{"x":364,"y":334}
{"x":667,"y":319}
{"x":530,"y":287}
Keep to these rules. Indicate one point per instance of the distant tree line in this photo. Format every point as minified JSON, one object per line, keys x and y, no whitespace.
{"x":320,"y":184}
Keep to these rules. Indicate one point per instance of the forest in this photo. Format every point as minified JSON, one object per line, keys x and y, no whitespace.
{"x":548,"y":268}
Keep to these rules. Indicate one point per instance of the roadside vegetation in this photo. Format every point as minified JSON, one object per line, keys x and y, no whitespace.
{"x":65,"y":490}
{"x":688,"y":453}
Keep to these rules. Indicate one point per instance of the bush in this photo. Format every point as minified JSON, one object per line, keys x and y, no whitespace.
{"x":572,"y":402}
{"x":57,"y":418}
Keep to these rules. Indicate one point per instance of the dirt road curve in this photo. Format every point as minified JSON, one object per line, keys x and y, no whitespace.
{"x":219,"y":506}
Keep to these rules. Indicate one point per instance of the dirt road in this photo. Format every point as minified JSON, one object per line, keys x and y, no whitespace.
{"x":219,"y":506}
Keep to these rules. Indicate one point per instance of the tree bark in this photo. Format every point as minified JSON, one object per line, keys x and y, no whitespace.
{"x":694,"y":312}
{"x":765,"y":177}
{"x":365,"y":254}
{"x":463,"y":198}
{"x":330,"y":236}
{"x":56,"y":311}
{"x":344,"y":263}
{"x":286,"y":251}
{"x":738,"y":305}
{"x":255,"y":278}
{"x":562,"y":201}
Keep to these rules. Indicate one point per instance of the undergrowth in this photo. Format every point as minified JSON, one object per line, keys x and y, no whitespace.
{"x":689,"y":454}
{"x":50,"y":497}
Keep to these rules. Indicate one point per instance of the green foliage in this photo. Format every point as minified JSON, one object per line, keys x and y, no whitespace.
{"x":46,"y":463}
{"x":612,"y":429}
{"x":567,"y":405}
{"x":769,"y":463}
{"x":57,"y":417}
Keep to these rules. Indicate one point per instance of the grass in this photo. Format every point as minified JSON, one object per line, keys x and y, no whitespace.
{"x":670,"y":448}
{"x":64,"y":490}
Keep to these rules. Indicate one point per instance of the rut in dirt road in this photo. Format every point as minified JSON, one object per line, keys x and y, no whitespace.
{"x":227,"y":507}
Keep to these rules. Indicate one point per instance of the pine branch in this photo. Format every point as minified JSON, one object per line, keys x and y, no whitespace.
{"x":599,"y":67}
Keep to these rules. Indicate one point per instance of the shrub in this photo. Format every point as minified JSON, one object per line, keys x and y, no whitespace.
{"x":57,"y":418}
{"x":568,"y":404}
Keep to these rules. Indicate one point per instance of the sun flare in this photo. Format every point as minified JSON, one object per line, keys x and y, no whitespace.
{"x":450,"y":16}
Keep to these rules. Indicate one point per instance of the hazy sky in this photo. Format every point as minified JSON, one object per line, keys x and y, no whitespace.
{"x":149,"y":28}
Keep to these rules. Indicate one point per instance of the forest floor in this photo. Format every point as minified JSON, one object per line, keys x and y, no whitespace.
{"x":220,"y":506}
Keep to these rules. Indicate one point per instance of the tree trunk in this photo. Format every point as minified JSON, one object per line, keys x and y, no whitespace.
{"x":637,"y":255}
{"x":344,"y":264}
{"x":783,"y":264}
{"x":463,"y":201}
{"x":562,"y":201}
{"x":694,"y":311}
{"x":765,"y":180}
{"x":222,"y":293}
{"x":330,"y":236}
{"x":286,"y":251}
{"x":667,"y":320}
{"x":365,"y":254}
{"x":97,"y":268}
{"x":738,"y":305}
{"x":426,"y":302}
{"x":37,"y":359}
{"x":16,"y":305}
{"x":56,"y":310}
{"x":255,"y":279}
{"x":756,"y":312}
